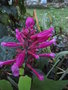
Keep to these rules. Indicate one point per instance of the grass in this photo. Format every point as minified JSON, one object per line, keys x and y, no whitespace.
{"x":59,"y":16}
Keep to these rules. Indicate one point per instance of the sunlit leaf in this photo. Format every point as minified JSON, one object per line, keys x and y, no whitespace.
{"x":21,"y":71}
{"x":24,"y":83}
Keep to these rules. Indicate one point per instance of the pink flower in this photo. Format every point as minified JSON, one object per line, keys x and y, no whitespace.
{"x":43,"y":34}
{"x":18,"y":63}
{"x":28,"y":45}
{"x":6,"y":62}
{"x":47,"y":43}
{"x":34,"y":55}
{"x":52,"y":55}
{"x":41,"y":39}
{"x":19,"y":36}
{"x":15,"y":70}
{"x":11,"y":44}
{"x":30,"y":22}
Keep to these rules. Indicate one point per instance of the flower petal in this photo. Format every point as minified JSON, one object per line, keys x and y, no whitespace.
{"x":45,"y":32}
{"x":19,"y":37}
{"x":19,"y":62}
{"x":34,"y":55}
{"x":15,"y":70}
{"x":11,"y":44}
{"x":20,"y":59}
{"x":34,"y":36}
{"x":47,"y":43}
{"x":44,"y":38}
{"x":7,"y":62}
{"x":52,"y":55}
{"x":30,"y":22}
{"x":1,"y":64}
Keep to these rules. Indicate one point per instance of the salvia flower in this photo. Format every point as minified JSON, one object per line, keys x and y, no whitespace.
{"x":52,"y":55}
{"x":28,"y":45}
{"x":29,"y":22}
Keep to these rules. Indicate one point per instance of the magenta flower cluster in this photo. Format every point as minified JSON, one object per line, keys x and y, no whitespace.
{"x":29,"y":43}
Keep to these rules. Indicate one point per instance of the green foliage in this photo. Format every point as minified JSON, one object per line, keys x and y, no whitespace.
{"x":9,"y":18}
{"x":12,"y":82}
{"x":57,"y":58}
{"x":5,"y":85}
{"x":24,"y":83}
{"x":43,"y":61}
{"x":8,"y":10}
{"x":22,"y":7}
{"x":60,"y":19}
{"x":3,"y":30}
{"x":48,"y":84}
{"x":59,"y":55}
{"x":5,"y":12}
{"x":4,"y":18}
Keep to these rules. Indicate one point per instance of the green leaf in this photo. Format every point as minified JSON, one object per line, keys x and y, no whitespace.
{"x":21,"y":71}
{"x":5,"y":85}
{"x":4,"y":18}
{"x":24,"y":83}
{"x":48,"y":84}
